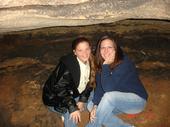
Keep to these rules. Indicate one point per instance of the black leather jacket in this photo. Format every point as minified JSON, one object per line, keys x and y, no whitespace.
{"x":60,"y":89}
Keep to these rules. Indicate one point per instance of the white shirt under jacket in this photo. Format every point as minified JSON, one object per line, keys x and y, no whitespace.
{"x":84,"y":75}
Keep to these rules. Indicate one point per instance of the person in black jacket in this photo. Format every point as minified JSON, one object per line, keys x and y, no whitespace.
{"x":68,"y":88}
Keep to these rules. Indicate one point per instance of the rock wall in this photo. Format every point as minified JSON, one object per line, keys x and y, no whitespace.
{"x":12,"y":3}
{"x":19,"y":15}
{"x":28,"y":57}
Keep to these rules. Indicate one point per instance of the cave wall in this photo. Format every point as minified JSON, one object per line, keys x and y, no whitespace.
{"x":28,"y":57}
{"x":19,"y":15}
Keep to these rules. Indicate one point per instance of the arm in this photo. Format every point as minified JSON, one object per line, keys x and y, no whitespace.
{"x":98,"y":92}
{"x":83,"y":98}
{"x":59,"y":88}
{"x":111,"y":79}
{"x":85,"y":94}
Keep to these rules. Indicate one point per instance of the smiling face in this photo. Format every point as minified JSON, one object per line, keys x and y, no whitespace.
{"x":107,"y":49}
{"x":83,"y":51}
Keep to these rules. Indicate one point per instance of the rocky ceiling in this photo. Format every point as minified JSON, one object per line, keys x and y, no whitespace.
{"x":16,"y":15}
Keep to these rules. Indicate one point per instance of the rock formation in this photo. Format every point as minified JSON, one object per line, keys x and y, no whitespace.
{"x":28,"y":57}
{"x":19,"y":15}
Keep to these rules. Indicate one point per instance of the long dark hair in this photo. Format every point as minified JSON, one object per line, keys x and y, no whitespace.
{"x":118,"y":53}
{"x":75,"y":43}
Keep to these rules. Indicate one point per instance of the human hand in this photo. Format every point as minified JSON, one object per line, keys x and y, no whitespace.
{"x":93,"y":113}
{"x":81,"y":106}
{"x":75,"y":116}
{"x":109,"y":58}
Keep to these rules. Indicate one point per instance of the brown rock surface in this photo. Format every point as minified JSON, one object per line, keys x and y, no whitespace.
{"x":28,"y":57}
{"x":19,"y":15}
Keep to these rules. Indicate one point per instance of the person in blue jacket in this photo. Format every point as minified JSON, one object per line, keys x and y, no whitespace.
{"x":118,"y":87}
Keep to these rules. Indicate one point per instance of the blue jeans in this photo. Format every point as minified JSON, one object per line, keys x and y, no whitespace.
{"x":114,"y":103}
{"x":67,"y":121}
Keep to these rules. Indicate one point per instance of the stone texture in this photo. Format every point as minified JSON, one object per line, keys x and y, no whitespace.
{"x":16,"y":15}
{"x":12,"y":3}
{"x":28,"y":57}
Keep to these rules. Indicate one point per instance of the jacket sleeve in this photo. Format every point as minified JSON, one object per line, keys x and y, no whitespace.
{"x":85,"y":94}
{"x":98,"y":92}
{"x":59,"y":85}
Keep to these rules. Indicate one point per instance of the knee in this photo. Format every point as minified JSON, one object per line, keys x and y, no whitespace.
{"x":110,"y":97}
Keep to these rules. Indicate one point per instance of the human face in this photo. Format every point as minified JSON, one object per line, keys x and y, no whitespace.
{"x":83,"y":51}
{"x":107,"y":50}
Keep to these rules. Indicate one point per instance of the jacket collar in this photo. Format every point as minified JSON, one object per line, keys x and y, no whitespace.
{"x":72,"y":64}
